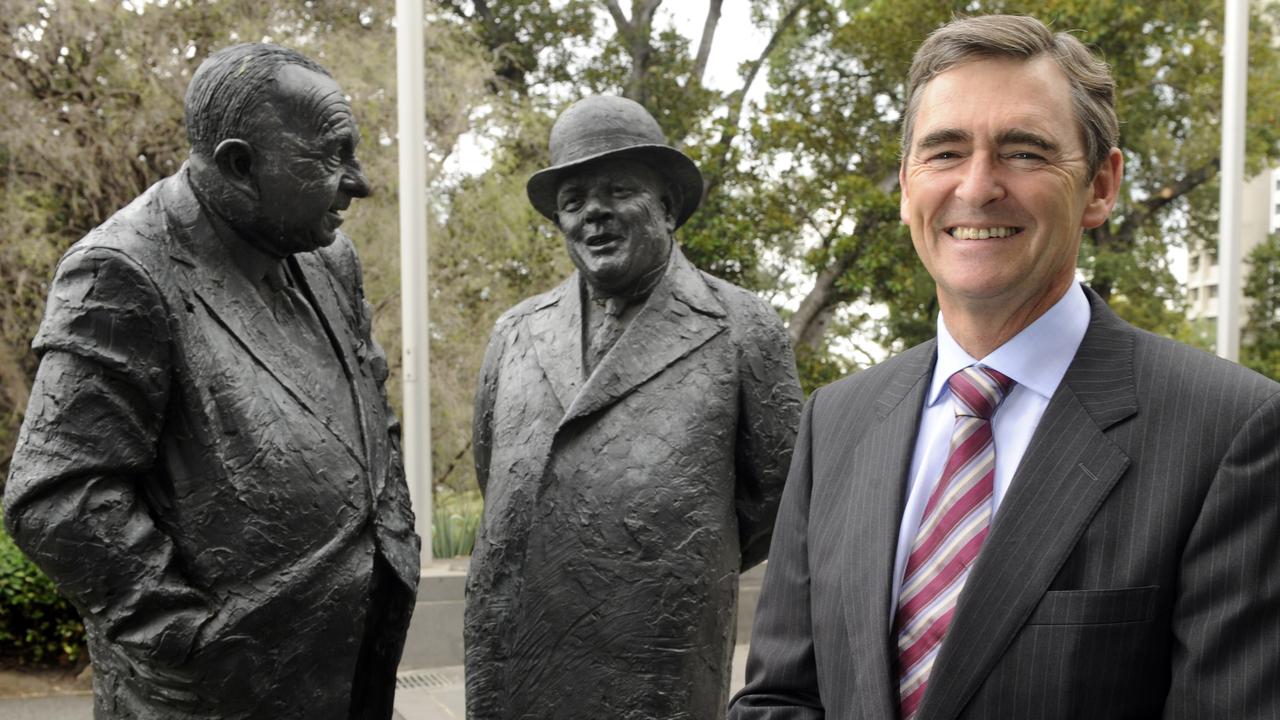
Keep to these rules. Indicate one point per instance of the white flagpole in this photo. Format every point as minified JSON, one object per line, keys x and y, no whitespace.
{"x":1235,"y":56}
{"x":410,"y":91}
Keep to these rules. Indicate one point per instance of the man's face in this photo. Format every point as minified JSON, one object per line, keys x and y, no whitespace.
{"x":615,"y":224}
{"x":995,"y":185}
{"x":308,"y":172}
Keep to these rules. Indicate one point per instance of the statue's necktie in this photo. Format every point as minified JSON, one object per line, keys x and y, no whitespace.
{"x":607,"y":332}
{"x":954,"y":525}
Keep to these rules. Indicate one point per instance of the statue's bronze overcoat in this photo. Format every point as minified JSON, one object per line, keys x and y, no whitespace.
{"x":620,"y":508}
{"x":176,"y":479}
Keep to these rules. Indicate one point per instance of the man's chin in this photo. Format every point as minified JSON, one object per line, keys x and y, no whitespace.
{"x":316,"y":240}
{"x":608,"y":280}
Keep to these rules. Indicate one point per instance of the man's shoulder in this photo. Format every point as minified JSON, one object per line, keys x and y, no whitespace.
{"x":137,"y":231}
{"x":533,"y":304}
{"x":746,"y":311}
{"x":1167,"y":367}
{"x":866,"y":385}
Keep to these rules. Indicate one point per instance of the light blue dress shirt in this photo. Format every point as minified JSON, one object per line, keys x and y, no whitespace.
{"x":1036,"y":359}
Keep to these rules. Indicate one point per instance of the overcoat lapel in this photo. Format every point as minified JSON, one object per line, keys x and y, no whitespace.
{"x":1067,"y":471}
{"x":680,"y":316}
{"x":880,"y":462}
{"x":210,"y":274}
{"x":555,"y":327}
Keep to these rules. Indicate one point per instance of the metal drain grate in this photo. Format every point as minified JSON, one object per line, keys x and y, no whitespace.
{"x":426,"y":679}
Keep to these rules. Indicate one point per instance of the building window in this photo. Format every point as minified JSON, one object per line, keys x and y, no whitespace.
{"x":1213,"y":292}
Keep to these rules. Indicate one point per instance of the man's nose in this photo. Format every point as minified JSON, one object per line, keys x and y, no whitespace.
{"x":980,"y":182}
{"x":354,"y":183}
{"x":595,"y":209}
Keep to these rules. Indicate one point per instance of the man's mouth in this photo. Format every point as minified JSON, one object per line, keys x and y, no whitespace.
{"x":602,"y":239}
{"x":335,"y":217}
{"x":964,"y":232}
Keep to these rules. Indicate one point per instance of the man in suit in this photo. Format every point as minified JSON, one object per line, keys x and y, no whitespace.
{"x":632,"y":432}
{"x":208,"y":468}
{"x":1044,"y":512}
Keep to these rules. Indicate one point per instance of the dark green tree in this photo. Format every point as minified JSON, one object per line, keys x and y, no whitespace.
{"x":1260,"y":341}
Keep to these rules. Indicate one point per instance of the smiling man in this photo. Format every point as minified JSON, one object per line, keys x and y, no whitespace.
{"x":632,"y":432}
{"x":1044,"y":512}
{"x":208,"y":467}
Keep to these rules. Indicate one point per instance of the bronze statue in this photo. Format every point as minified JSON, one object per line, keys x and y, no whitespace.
{"x":208,"y":468}
{"x":633,"y":430}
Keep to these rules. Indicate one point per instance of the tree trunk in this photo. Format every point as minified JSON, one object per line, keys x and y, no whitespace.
{"x":814,"y":313}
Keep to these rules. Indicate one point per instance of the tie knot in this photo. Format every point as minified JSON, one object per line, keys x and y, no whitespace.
{"x":977,"y":391}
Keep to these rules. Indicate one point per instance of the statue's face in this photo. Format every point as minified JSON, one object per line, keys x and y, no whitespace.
{"x":308,"y":172}
{"x":616,"y":226}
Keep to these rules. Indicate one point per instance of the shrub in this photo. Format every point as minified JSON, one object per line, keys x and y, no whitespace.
{"x":37,"y":625}
{"x":454,"y":520}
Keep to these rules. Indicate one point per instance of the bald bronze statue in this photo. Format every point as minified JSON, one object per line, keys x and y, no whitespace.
{"x":208,"y":467}
{"x":633,"y":429}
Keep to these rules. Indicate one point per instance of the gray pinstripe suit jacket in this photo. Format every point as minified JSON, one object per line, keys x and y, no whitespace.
{"x":1133,"y":570}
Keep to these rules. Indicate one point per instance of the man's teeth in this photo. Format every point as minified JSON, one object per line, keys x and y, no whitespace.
{"x":969,"y":233}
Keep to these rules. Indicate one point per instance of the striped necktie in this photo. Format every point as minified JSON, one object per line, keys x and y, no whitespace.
{"x":954,"y":525}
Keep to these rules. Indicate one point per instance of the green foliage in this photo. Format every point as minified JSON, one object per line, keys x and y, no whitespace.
{"x":36,"y":624}
{"x":1260,"y":345}
{"x":802,"y":199}
{"x":833,"y":110}
{"x":455,"y":519}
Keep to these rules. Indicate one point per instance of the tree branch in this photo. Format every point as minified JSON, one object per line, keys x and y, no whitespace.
{"x":704,"y":45}
{"x":624,"y":25}
{"x":739,"y":97}
{"x":1169,"y":193}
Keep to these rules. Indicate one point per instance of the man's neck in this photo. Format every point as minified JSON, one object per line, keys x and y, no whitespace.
{"x":982,"y":326}
{"x":252,"y":261}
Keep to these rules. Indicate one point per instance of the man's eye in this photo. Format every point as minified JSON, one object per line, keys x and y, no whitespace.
{"x":1026,"y":156}
{"x":944,"y":155}
{"x":621,"y":191}
{"x":571,"y":205}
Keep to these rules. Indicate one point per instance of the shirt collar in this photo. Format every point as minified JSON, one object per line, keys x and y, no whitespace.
{"x":1036,"y":358}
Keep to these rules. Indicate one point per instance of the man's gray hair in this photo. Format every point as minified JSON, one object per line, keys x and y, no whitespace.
{"x":1093,"y":90}
{"x":229,"y":86}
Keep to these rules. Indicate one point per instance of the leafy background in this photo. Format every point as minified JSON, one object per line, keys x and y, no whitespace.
{"x":800,"y":158}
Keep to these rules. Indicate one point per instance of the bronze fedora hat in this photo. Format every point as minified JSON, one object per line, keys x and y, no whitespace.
{"x":608,"y":126}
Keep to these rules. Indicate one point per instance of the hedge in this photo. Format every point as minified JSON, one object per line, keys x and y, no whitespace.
{"x":37,"y":625}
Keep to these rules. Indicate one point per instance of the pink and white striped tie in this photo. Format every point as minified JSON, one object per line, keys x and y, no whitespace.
{"x":952,"y":529}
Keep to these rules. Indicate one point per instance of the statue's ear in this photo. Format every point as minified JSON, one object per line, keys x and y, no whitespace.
{"x":235,"y":160}
{"x":670,"y":200}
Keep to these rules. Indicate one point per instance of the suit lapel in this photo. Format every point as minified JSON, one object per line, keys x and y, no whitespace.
{"x":880,"y":462}
{"x":317,"y":283}
{"x":204,"y":261}
{"x":1068,"y":470}
{"x":679,"y":317}
{"x":555,"y":327}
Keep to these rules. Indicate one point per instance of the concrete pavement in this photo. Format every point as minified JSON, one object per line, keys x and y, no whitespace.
{"x":433,"y":694}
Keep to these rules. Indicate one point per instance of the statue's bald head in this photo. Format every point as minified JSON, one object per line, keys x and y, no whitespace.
{"x":229,"y":86}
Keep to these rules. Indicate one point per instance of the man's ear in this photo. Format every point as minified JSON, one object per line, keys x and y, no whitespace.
{"x":668,"y":208}
{"x":903,"y":213}
{"x":1103,"y":190}
{"x":236,"y":161}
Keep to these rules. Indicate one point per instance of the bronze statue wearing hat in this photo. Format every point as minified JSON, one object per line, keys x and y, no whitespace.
{"x":633,"y":430}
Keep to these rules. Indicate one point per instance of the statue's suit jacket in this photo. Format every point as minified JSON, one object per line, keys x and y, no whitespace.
{"x":619,"y":509}
{"x":1132,"y":570}
{"x":216,"y":531}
